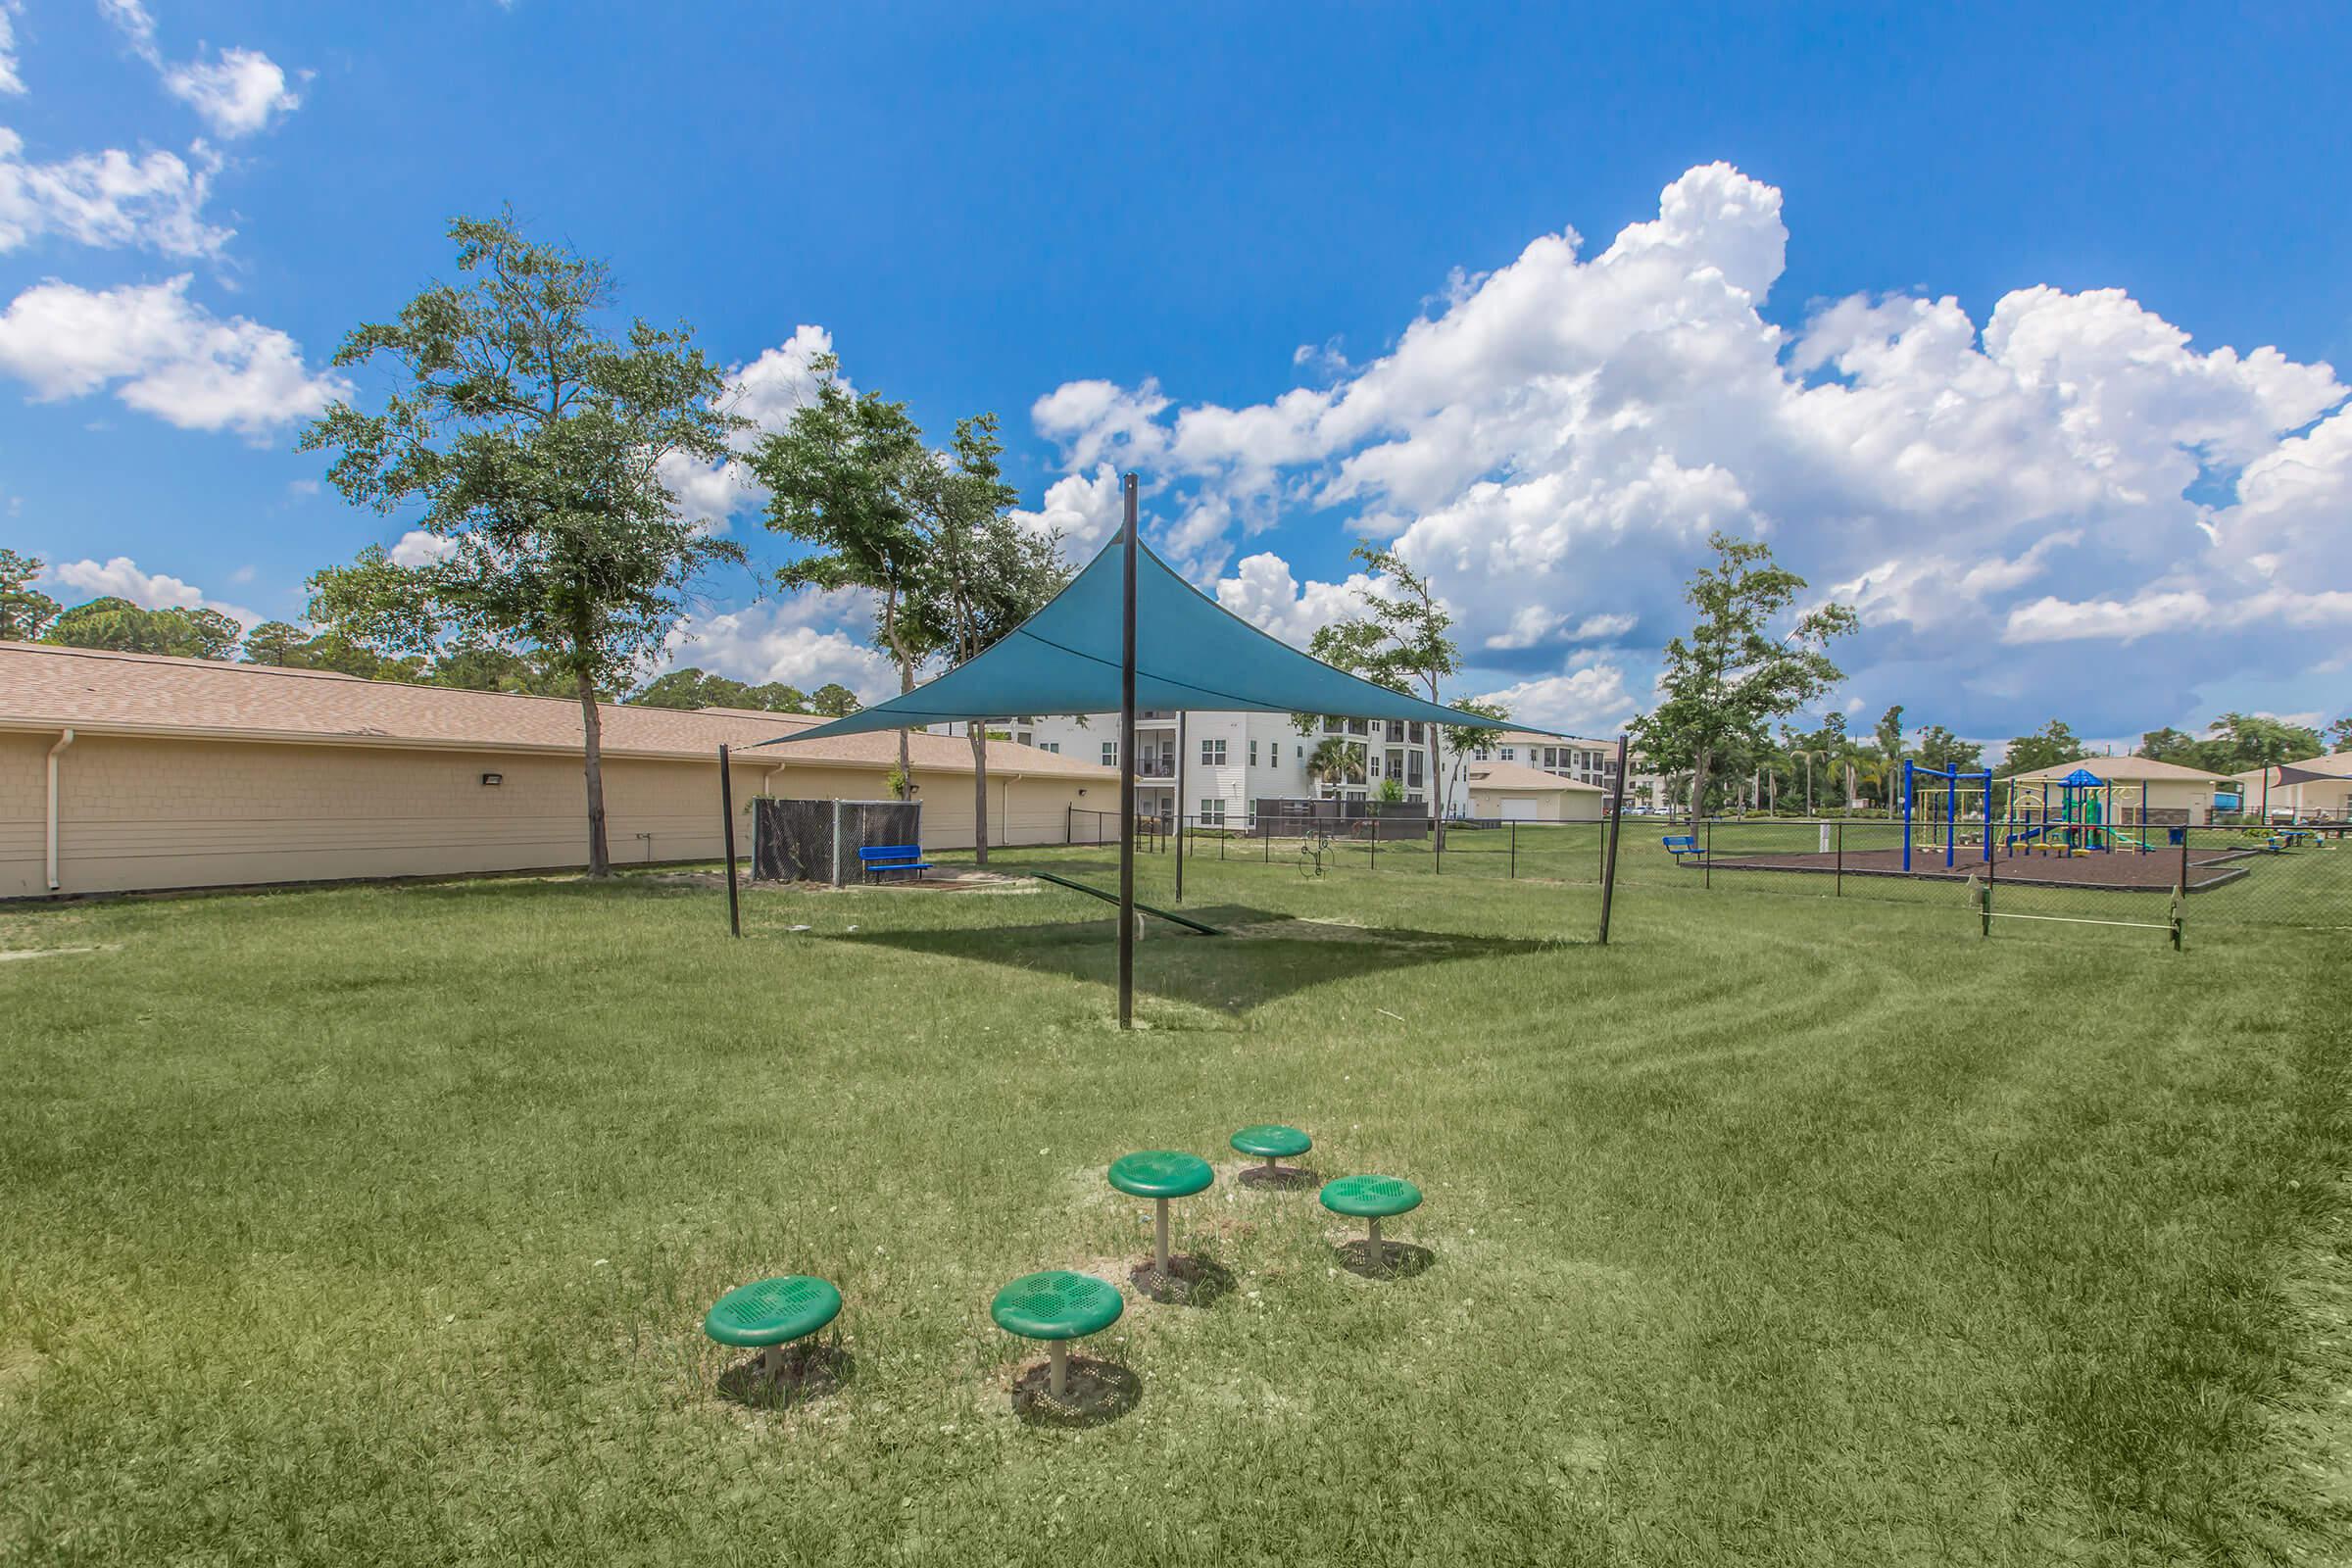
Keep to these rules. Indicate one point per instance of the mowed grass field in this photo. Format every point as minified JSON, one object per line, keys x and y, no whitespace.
{"x":377,"y":1225}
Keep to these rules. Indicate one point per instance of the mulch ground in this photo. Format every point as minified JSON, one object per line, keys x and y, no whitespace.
{"x":2119,"y":871}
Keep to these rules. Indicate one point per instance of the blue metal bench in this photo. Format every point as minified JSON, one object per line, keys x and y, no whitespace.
{"x":1679,"y":844}
{"x":878,"y":860}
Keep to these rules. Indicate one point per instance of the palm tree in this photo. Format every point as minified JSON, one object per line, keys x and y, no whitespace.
{"x":1333,"y":761}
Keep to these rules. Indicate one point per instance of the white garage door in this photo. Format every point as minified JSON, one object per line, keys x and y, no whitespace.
{"x":1512,"y":809}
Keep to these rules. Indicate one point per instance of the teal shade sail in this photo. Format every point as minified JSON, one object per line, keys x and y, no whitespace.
{"x":1189,"y":653}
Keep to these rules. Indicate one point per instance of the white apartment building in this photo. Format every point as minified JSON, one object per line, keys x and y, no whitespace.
{"x":1233,"y":760}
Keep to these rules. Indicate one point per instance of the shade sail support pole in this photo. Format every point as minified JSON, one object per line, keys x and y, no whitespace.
{"x":1180,"y":744}
{"x":1127,"y":762}
{"x":726,"y":818}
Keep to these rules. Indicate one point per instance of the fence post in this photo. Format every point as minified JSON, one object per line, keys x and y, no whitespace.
{"x":1608,"y":857}
{"x":727,"y":811}
{"x":1706,"y":856}
{"x":1514,"y":852}
{"x":1837,"y":882}
{"x":1179,"y":852}
{"x":1373,"y":822}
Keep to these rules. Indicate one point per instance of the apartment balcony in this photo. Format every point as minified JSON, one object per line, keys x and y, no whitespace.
{"x":1156,"y":768}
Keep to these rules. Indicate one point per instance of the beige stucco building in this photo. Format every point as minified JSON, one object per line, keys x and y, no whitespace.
{"x":2265,"y":789}
{"x":1517,"y":793}
{"x":127,"y":771}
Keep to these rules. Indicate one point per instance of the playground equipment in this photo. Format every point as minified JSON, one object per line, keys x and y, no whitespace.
{"x":1057,"y":1306}
{"x":2081,"y":821}
{"x":1950,"y":784}
{"x":2175,"y":923}
{"x":768,"y":1315}
{"x":1372,"y":1198}
{"x":1272,"y":1143}
{"x":1161,"y":1174}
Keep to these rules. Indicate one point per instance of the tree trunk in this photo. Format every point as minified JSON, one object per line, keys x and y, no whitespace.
{"x":592,"y":723}
{"x":979,"y":735}
{"x":1699,"y":785}
{"x":890,"y":637}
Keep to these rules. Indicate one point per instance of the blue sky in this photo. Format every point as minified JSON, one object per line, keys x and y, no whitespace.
{"x":1935,"y":299}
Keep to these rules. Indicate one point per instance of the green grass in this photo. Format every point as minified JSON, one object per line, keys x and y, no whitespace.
{"x":375,"y":1224}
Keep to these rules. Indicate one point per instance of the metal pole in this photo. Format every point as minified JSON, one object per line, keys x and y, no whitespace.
{"x":1951,"y":817}
{"x":727,"y":809}
{"x":1906,"y":816}
{"x":1608,"y":865}
{"x":1180,"y":761}
{"x":1514,"y":852}
{"x":1838,"y":880}
{"x":1706,"y":859}
{"x":1127,"y":767}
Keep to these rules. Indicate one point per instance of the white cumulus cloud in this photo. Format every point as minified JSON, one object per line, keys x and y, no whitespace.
{"x":238,"y":93}
{"x":110,"y":199}
{"x":801,"y":641}
{"x":12,"y":82}
{"x":161,"y":354}
{"x":119,"y":577}
{"x":1552,"y":441}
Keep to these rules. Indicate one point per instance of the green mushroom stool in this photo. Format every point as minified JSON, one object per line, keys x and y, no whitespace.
{"x":1272,"y":1143}
{"x":1057,"y":1306}
{"x":1372,"y":1198}
{"x":768,"y":1315}
{"x":1161,"y":1174}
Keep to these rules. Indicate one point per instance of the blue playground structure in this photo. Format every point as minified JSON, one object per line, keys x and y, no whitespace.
{"x":2081,"y":821}
{"x":1950,"y":782}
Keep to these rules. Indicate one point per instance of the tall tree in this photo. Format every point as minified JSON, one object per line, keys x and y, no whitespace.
{"x":1462,"y":740}
{"x":834,"y":701}
{"x":690,"y":688}
{"x":25,"y":611}
{"x":1940,"y":747}
{"x":2046,"y":747}
{"x":847,"y":476}
{"x":1399,"y":641}
{"x":116,"y":623}
{"x":2339,"y":734}
{"x":985,"y":573}
{"x":2169,"y":745}
{"x":1888,"y":733}
{"x":1731,"y":677}
{"x":2242,"y":742}
{"x":529,"y":438}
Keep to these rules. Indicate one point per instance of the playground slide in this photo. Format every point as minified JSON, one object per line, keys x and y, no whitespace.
{"x":1112,"y":898}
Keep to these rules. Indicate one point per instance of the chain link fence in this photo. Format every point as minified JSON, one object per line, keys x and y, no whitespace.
{"x":2126,"y":877}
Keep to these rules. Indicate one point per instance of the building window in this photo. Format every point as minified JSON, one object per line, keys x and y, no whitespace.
{"x":1479,"y":753}
{"x":1111,"y":754}
{"x":1252,"y":751}
{"x":1212,"y":811}
{"x":1212,"y":753}
{"x":1416,"y":732}
{"x":1372,"y":766}
{"x":1052,"y":746}
{"x":1273,"y":753}
{"x":1510,"y":754}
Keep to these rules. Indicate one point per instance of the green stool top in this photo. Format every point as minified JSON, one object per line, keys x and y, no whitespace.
{"x":1272,"y":1142}
{"x":1160,"y":1173}
{"x":771,"y":1311}
{"x":1056,"y":1305}
{"x":1371,"y":1196}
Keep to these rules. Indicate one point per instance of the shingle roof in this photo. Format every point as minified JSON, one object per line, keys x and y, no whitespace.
{"x":102,"y":692}
{"x":2123,"y":770}
{"x":1513,"y":777}
{"x":2339,"y":763}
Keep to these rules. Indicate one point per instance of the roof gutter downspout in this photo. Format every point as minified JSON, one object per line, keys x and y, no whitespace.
{"x":49,"y":862}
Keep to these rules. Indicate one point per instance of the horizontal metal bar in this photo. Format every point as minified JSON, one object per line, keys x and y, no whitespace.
{"x":2076,"y":919}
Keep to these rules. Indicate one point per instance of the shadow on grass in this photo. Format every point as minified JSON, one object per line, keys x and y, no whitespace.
{"x":1097,"y":1393}
{"x":1398,"y":1260}
{"x":1262,"y":957}
{"x":1191,"y":1281}
{"x":776,"y":1380}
